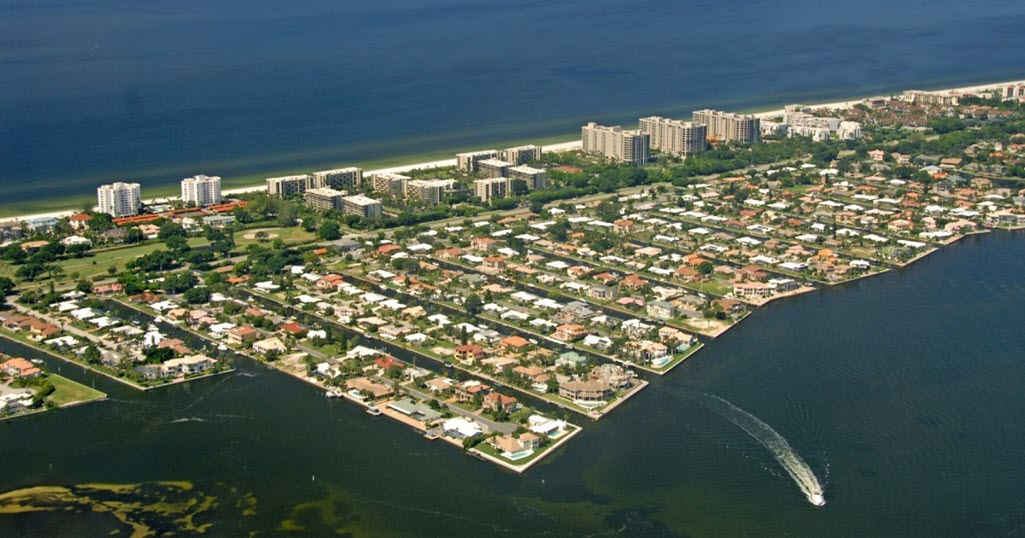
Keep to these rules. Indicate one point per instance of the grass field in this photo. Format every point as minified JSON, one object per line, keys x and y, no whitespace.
{"x":290,"y":236}
{"x":69,"y":391}
{"x":97,"y":262}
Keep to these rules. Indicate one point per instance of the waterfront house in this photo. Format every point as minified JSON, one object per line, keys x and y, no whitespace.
{"x":243,"y":334}
{"x":469,"y":353}
{"x":366,"y":387}
{"x":586,"y":391}
{"x":270,"y":345}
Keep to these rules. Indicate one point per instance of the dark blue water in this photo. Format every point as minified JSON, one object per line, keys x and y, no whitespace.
{"x":153,"y":91}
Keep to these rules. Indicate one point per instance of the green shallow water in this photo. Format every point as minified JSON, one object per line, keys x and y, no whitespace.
{"x":901,"y":392}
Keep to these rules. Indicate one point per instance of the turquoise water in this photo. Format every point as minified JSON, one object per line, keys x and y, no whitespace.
{"x":902,"y":393}
{"x":155,"y":91}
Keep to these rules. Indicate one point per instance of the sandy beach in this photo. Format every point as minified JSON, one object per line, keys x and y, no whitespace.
{"x":563,"y":146}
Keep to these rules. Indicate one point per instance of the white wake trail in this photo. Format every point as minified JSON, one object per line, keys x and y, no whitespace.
{"x":774,"y":442}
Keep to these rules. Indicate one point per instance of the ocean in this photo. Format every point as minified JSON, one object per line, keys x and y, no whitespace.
{"x":151,"y":91}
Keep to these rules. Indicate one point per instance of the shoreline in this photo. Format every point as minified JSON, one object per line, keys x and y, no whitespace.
{"x":571,"y":142}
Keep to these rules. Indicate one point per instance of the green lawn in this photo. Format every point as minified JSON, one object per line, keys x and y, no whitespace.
{"x":99,"y":262}
{"x":69,"y":391}
{"x":291,"y":236}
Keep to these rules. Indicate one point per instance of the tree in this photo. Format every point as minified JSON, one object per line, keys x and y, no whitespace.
{"x":706,"y":268}
{"x":474,"y":304}
{"x":197,"y":295}
{"x":77,"y":250}
{"x":329,"y":231}
{"x":261,"y":236}
{"x":155,"y":355}
{"x":91,"y":354}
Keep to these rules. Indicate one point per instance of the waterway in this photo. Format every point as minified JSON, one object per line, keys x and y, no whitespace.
{"x":901,"y":394}
{"x":153,"y":91}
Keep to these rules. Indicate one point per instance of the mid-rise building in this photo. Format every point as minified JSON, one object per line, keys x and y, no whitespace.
{"x":675,"y":136}
{"x":201,"y":190}
{"x":119,"y":199}
{"x":467,"y":162}
{"x":389,"y":184}
{"x":496,"y":187}
{"x":849,"y":130}
{"x":614,"y":143}
{"x":521,"y":154}
{"x":1014,"y":93}
{"x":536,"y":178}
{"x":427,"y":191}
{"x":493,"y":167}
{"x":342,"y":178}
{"x":919,"y":97}
{"x":286,"y":186}
{"x":324,"y":198}
{"x":729,"y":127}
{"x":362,"y":206}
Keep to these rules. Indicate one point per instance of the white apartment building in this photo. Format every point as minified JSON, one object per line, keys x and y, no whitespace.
{"x":467,"y":162}
{"x":493,"y":167}
{"x":614,"y":143}
{"x":286,"y":186}
{"x":201,"y":190}
{"x":362,"y":206}
{"x":521,"y":154}
{"x":119,"y":199}
{"x":729,"y":127}
{"x":324,"y":198}
{"x":389,"y":184}
{"x":428,"y":191}
{"x":675,"y":136}
{"x":536,"y":178}
{"x":496,"y":187}
{"x":849,"y":130}
{"x":341,"y":178}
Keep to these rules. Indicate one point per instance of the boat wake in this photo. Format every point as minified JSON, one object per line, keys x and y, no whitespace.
{"x":189,"y":419}
{"x":787,"y":457}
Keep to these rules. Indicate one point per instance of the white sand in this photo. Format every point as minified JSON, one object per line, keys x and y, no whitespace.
{"x":564,"y":146}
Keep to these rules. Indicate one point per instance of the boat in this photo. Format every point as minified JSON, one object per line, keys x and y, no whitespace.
{"x":430,"y":435}
{"x":334,"y":393}
{"x":817,"y":499}
{"x":373,"y":411}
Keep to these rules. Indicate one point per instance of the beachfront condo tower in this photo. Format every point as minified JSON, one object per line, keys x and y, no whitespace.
{"x":614,"y":143}
{"x":521,"y":154}
{"x":342,"y":178}
{"x":676,"y":137}
{"x":201,"y":190}
{"x":467,"y":162}
{"x":286,"y":186}
{"x":729,"y":127}
{"x":119,"y":199}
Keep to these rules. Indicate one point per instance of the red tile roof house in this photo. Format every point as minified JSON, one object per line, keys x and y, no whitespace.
{"x":19,"y":367}
{"x":293,"y":329}
{"x":79,"y":221}
{"x":633,"y":281}
{"x":482,"y":243}
{"x":496,"y":401}
{"x":569,"y":332}
{"x":387,"y":362}
{"x":385,"y":250}
{"x":514,"y":342}
{"x":469,"y":353}
{"x":329,"y":282}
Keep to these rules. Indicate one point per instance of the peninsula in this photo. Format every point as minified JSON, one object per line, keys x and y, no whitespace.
{"x":498,"y":300}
